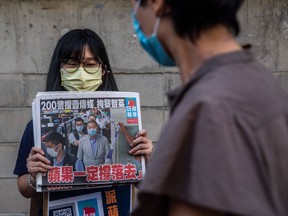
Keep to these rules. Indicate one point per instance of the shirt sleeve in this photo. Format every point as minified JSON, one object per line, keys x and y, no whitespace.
{"x":71,"y":138}
{"x":210,"y":163}
{"x":26,"y":144}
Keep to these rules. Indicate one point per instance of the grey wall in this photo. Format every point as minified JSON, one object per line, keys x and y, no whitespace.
{"x":29,"y":30}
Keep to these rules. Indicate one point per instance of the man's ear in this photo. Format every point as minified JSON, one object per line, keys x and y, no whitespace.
{"x":160,"y":8}
{"x":59,"y":146}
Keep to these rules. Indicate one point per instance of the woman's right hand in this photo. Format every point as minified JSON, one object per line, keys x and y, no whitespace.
{"x":37,"y":162}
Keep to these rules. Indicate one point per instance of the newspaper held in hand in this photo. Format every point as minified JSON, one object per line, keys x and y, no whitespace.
{"x":99,"y":159}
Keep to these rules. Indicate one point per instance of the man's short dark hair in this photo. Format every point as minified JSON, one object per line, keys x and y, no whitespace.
{"x":55,"y":138}
{"x":79,"y":119}
{"x":191,"y":17}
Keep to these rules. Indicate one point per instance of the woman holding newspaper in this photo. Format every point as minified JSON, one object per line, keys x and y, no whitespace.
{"x":79,"y":63}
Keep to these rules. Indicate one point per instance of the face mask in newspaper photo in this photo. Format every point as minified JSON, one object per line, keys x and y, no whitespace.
{"x":92,"y":131}
{"x":53,"y":152}
{"x":79,"y":128}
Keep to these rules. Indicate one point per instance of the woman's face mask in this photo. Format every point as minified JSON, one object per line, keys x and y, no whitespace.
{"x":81,"y":80}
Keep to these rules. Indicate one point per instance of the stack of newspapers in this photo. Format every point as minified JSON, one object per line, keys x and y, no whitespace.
{"x":97,"y":162}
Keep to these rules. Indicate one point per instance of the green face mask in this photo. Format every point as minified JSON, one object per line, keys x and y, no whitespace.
{"x":80,"y":80}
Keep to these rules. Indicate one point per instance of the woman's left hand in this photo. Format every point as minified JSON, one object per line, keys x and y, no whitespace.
{"x":141,"y":145}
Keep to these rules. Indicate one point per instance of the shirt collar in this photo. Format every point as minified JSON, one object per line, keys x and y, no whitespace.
{"x":55,"y":162}
{"x":244,"y":55}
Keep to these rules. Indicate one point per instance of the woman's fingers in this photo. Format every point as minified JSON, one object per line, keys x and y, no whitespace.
{"x":141,"y":133}
{"x":37,"y":162}
{"x":141,"y":146}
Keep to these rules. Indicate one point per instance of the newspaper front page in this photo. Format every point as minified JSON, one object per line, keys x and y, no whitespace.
{"x":99,"y":159}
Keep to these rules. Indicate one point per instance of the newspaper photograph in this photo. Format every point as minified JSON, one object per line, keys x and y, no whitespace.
{"x":86,"y":137}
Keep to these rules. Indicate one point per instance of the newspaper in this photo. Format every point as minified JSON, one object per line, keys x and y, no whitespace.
{"x":102,"y":159}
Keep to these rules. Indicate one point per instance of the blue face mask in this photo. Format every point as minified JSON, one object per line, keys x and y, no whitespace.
{"x":91,"y":131}
{"x":151,"y":44}
{"x":79,"y":128}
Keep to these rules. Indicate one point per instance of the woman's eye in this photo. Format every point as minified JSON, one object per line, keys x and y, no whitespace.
{"x":91,"y":65}
{"x":71,"y":64}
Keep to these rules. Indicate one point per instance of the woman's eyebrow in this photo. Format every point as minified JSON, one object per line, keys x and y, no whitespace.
{"x":91,"y":58}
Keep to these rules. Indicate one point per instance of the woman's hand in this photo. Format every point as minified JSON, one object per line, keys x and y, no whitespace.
{"x":37,"y":162}
{"x":141,"y":145}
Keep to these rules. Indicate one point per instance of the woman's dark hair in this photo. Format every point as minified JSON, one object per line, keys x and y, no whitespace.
{"x":191,"y":17}
{"x":71,"y":45}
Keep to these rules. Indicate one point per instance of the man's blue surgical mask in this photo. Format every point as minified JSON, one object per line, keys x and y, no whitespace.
{"x":151,"y":44}
{"x":52,"y":152}
{"x":79,"y":128}
{"x":91,"y":132}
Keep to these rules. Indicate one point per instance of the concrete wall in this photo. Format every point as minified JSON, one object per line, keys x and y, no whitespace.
{"x":29,"y":30}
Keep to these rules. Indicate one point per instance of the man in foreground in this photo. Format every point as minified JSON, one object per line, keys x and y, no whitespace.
{"x":224,"y":150}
